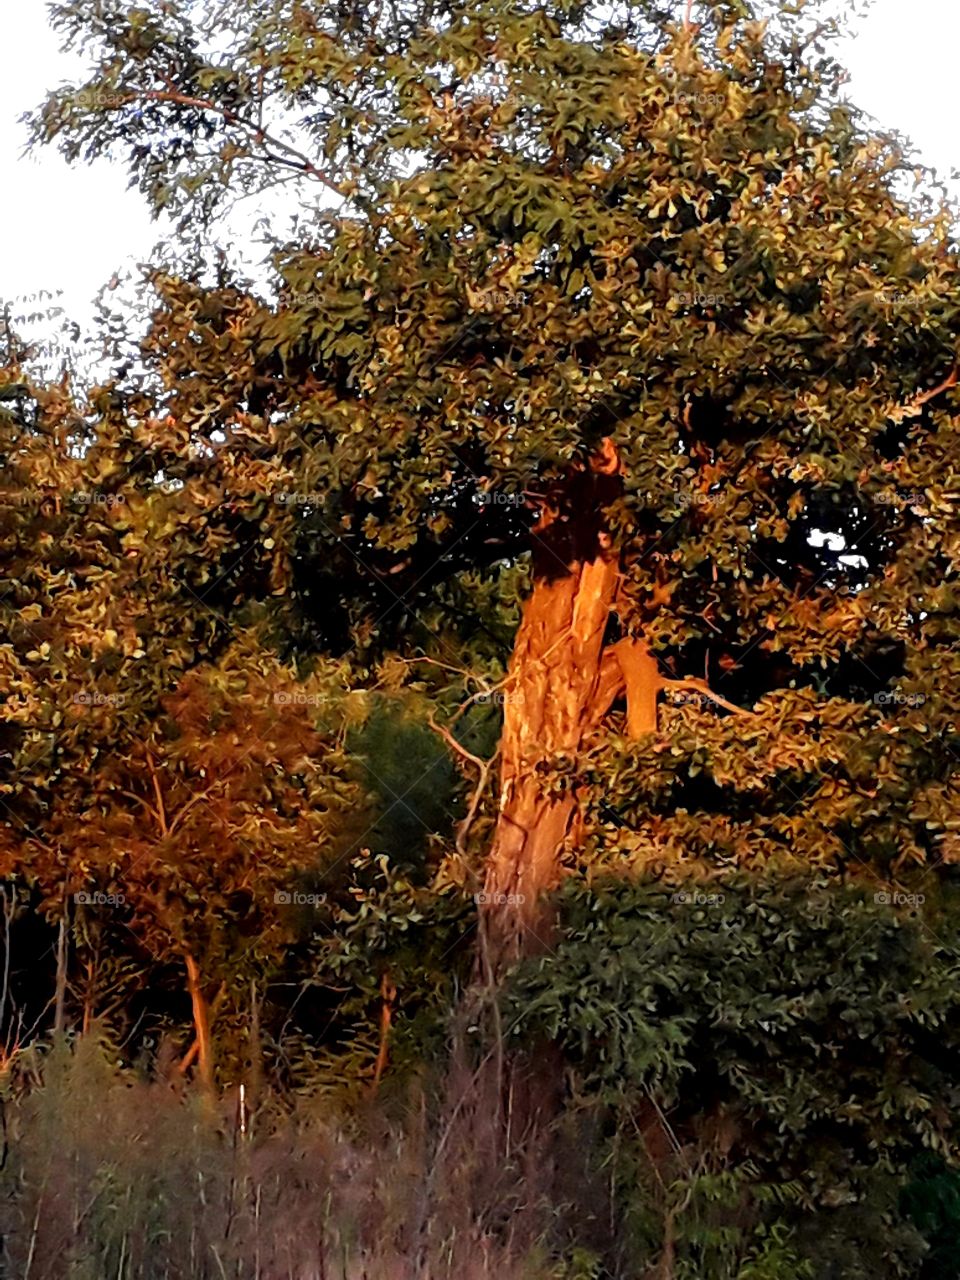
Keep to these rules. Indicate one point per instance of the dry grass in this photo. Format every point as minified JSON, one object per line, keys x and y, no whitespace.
{"x":107,"y":1176}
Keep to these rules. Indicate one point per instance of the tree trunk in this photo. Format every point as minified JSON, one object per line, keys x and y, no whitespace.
{"x":201,"y":1023}
{"x":59,"y":1021}
{"x":556,"y":681}
{"x":563,"y":676}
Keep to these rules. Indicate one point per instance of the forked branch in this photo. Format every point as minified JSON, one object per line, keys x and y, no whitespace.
{"x":483,"y":768}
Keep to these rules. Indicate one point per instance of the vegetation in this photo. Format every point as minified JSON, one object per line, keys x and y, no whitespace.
{"x":478,"y":739}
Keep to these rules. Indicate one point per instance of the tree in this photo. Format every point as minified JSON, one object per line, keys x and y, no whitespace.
{"x":164,"y":778}
{"x":607,"y":388}
{"x":638,"y":300}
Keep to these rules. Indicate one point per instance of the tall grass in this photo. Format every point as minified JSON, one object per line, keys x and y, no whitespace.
{"x":107,"y":1176}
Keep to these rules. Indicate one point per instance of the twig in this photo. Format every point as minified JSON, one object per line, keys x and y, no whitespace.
{"x":483,"y":768}
{"x":482,"y":693}
{"x":901,"y":411}
{"x":454,"y":744}
{"x":160,"y":811}
{"x":181,"y":814}
{"x":949,"y":381}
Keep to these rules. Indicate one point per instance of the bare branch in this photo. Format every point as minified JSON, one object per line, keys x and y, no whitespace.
{"x":483,"y":768}
{"x":900,"y":411}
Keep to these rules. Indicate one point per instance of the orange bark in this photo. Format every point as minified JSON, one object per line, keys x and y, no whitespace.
{"x":201,"y":1024}
{"x":563,"y":678}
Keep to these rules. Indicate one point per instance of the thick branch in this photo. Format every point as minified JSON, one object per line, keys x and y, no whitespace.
{"x":643,"y":682}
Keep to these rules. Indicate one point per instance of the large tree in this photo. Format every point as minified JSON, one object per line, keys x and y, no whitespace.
{"x":602,"y":400}
{"x":632,"y":299}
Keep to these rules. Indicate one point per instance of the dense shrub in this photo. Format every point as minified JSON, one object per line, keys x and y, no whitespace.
{"x":770,"y":1054}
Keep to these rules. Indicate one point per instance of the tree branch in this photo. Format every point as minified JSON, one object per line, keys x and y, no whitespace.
{"x":901,"y":411}
{"x":161,"y":813}
{"x":483,"y":768}
{"x":260,"y":135}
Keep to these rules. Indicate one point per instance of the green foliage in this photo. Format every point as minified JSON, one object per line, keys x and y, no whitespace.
{"x":405,"y":766}
{"x":693,"y":249}
{"x":792,"y":1036}
{"x":932,"y":1202}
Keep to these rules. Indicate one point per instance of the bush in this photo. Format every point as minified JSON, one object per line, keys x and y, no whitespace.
{"x":769,"y":1054}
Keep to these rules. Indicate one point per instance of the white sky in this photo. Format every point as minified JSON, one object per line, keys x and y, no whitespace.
{"x":69,"y":229}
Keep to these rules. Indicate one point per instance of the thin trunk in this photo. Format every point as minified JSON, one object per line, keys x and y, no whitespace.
{"x":255,"y":1078}
{"x":388,"y":993}
{"x":190,"y":1057}
{"x":89,"y":996}
{"x":61,"y":988}
{"x":201,"y":1024}
{"x":91,"y":985}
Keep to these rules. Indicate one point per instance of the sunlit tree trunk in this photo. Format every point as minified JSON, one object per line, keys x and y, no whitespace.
{"x":201,"y":1024}
{"x":566,"y":669}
